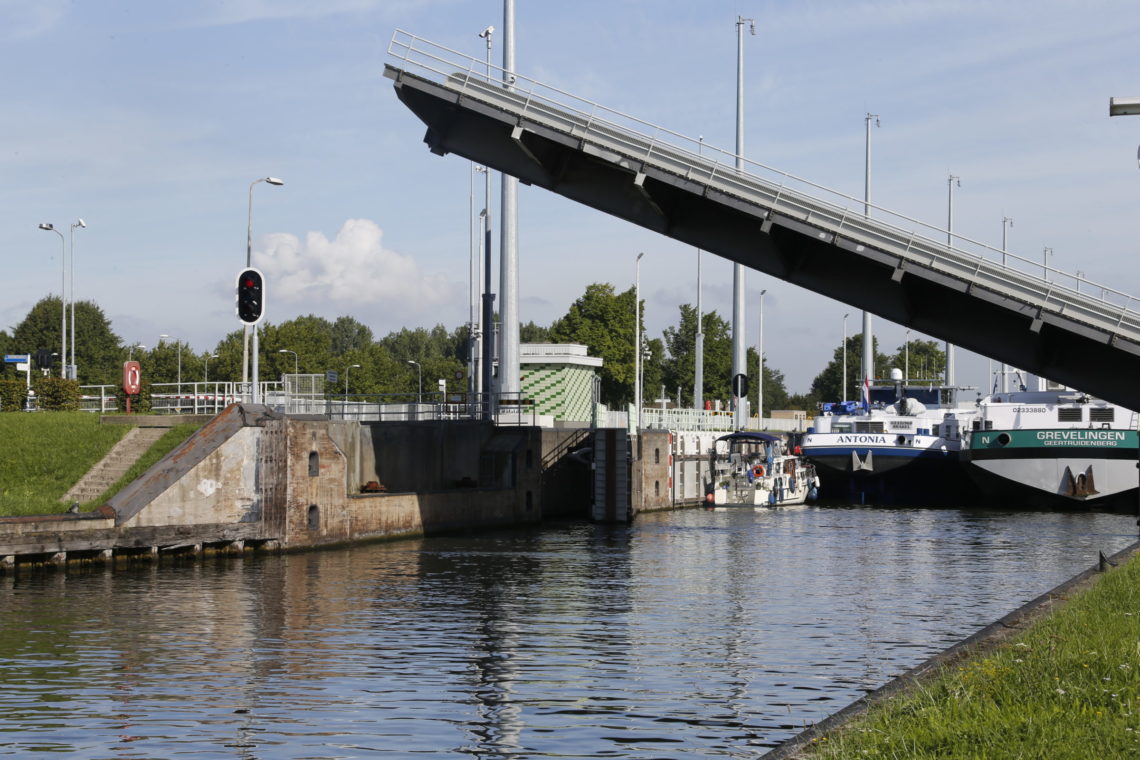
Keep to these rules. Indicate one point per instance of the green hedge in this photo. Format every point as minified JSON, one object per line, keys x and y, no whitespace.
{"x":54,"y":394}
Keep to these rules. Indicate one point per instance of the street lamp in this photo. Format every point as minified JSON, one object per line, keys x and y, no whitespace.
{"x":845,"y":358}
{"x":248,"y":259}
{"x":178,"y":393}
{"x":1006,"y":223}
{"x":637,"y":342}
{"x":760,"y":368}
{"x":351,"y":366}
{"x":62,"y":297}
{"x":419,"y":372}
{"x":206,"y":372}
{"x":131,"y":350}
{"x":906,"y":363}
{"x":177,"y":343}
{"x":74,"y":374}
{"x":1046,"y":252}
{"x":296,"y":364}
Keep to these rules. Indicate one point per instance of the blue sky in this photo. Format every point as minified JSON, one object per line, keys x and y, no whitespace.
{"x":149,"y":120}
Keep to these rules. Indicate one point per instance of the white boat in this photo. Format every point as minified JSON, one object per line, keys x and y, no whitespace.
{"x":1053,"y":449}
{"x":757,"y":470}
{"x":904,"y":450}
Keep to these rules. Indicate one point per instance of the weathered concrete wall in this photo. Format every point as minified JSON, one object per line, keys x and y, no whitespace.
{"x":652,"y":484}
{"x":323,"y":505}
{"x":213,"y":477}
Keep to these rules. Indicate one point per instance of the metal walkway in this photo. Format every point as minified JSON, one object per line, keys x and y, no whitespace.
{"x":1060,"y":326}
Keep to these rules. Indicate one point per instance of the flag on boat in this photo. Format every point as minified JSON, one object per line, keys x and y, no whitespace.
{"x":866,"y":394}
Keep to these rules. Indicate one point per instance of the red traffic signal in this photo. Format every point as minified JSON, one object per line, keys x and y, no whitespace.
{"x":250,"y":296}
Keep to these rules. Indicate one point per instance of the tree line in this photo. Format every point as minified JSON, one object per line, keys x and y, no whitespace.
{"x":601,"y":318}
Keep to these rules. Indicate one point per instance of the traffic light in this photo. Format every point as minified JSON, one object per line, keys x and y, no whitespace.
{"x":250,"y":296}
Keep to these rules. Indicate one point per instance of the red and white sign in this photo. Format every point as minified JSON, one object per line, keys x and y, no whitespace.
{"x":131,"y":378}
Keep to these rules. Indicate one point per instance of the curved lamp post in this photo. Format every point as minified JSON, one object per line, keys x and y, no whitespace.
{"x":74,"y":364}
{"x":248,"y":257}
{"x":296,"y":364}
{"x":62,"y":296}
{"x":420,"y":374}
{"x":206,"y":372}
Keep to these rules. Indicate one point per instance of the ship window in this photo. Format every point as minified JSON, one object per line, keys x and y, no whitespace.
{"x":989,"y":424}
{"x":1108,"y":414}
{"x":869,"y":427}
{"x":1070,"y":414}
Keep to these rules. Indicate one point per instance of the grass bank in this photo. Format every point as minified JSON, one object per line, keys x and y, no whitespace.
{"x":1068,"y":687}
{"x":45,"y":454}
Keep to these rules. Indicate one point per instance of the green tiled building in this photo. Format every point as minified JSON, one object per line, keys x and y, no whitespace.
{"x":559,"y":377}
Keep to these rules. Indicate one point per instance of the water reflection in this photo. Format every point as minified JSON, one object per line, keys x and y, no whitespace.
{"x":690,"y":634}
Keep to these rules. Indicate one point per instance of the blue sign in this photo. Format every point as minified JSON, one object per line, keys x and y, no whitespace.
{"x":14,"y":358}
{"x":330,"y":376}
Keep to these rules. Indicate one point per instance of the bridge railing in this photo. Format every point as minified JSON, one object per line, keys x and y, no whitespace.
{"x":833,"y":215}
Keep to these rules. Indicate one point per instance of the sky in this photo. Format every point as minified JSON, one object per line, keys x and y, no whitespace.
{"x":150,"y":120}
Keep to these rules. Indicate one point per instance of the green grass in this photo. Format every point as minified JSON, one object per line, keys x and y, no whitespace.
{"x":160,"y":448}
{"x":44,"y":454}
{"x":1069,"y":687}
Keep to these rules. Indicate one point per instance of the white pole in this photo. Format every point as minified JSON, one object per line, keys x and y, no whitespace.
{"x":1006,"y":223}
{"x":760,"y":369}
{"x":509,"y":241}
{"x":739,"y":367}
{"x":845,"y":358}
{"x":637,"y":343}
{"x":950,"y":182}
{"x":868,"y":337}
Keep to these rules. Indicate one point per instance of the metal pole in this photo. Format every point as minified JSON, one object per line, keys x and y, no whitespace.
{"x":1006,"y":223}
{"x":637,"y":343}
{"x":739,"y":366}
{"x":760,"y":369}
{"x":1045,"y":254}
{"x":950,"y":182}
{"x":488,"y":329}
{"x":699,"y":348}
{"x":868,"y":337}
{"x":73,"y":372}
{"x":906,"y":365}
{"x":509,"y":238}
{"x":845,"y":358}
{"x":62,"y":296}
{"x":699,"y":340}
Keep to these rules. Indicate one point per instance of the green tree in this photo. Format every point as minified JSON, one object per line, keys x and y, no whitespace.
{"x":775,"y":392}
{"x":349,"y":335}
{"x":97,"y":348}
{"x":532,"y":333}
{"x":680,"y":367}
{"x":828,"y":384}
{"x":921,"y":360}
{"x":604,"y":321}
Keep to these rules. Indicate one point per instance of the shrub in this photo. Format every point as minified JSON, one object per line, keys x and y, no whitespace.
{"x":56,"y":394}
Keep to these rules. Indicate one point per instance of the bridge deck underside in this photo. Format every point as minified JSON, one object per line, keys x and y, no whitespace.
{"x":1019,"y":332}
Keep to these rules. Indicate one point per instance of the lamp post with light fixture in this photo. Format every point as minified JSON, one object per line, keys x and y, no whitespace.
{"x":248,"y":264}
{"x":62,"y":296}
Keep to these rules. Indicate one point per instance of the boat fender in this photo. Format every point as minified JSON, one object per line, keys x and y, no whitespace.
{"x":813,"y":494}
{"x":772,"y":498}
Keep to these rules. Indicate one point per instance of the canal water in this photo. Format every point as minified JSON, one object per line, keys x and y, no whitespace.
{"x":689,"y":634}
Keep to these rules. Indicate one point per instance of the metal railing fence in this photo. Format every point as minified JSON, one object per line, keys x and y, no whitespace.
{"x":834,"y":215}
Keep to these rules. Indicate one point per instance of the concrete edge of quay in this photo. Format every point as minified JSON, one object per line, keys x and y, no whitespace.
{"x":981,"y":642}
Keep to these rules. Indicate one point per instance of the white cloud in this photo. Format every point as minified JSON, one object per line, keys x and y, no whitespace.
{"x":353,"y":269}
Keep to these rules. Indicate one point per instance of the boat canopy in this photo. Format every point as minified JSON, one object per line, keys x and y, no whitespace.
{"x":742,"y":437}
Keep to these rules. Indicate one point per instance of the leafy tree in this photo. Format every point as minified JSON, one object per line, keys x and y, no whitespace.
{"x":349,"y":335}
{"x":924,"y":360}
{"x":680,"y":367}
{"x":532,"y":333}
{"x":604,"y":321}
{"x":828,"y":384}
{"x":97,"y":348}
{"x":775,"y":392}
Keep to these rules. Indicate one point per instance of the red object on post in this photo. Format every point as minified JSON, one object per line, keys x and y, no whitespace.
{"x":131,"y":381}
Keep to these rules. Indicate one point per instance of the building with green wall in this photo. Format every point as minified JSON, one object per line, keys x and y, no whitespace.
{"x":560,"y":378}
